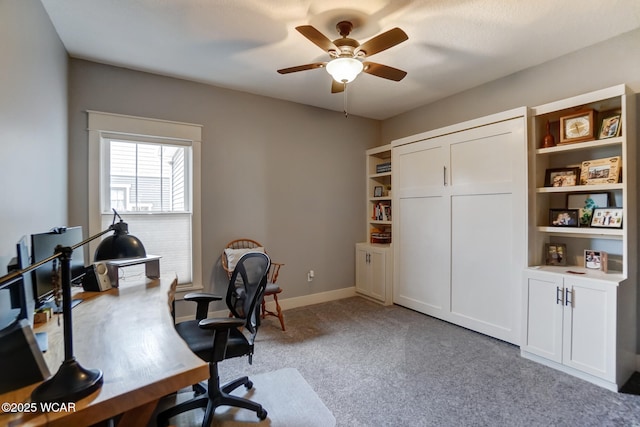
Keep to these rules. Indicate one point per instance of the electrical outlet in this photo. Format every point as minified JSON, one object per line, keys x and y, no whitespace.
{"x":310,"y":275}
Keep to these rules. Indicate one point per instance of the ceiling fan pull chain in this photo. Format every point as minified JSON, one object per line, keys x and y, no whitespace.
{"x":344,"y":107}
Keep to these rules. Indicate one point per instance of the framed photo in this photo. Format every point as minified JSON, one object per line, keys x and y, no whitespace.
{"x":562,"y":177}
{"x":555,"y":253}
{"x":595,"y":260}
{"x":577,"y":127}
{"x":563,"y":217}
{"x":607,"y":218}
{"x":377,"y":191}
{"x":586,"y":203}
{"x":610,"y":127}
{"x":600,"y":171}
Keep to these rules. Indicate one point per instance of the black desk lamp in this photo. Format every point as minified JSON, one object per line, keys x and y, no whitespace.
{"x":72,"y":382}
{"x":121,"y":244}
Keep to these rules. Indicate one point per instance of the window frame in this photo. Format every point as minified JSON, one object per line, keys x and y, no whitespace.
{"x":132,"y":128}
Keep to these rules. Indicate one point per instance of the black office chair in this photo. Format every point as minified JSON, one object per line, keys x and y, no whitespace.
{"x":215,"y":340}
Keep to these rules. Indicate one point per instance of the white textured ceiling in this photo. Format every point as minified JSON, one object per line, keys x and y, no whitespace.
{"x":453,"y":45}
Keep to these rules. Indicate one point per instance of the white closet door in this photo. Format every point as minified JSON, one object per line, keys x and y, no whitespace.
{"x":487,"y":227}
{"x":421,"y":274}
{"x":460,"y":224}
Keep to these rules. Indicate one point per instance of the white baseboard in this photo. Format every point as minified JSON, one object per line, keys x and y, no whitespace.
{"x":294,"y":302}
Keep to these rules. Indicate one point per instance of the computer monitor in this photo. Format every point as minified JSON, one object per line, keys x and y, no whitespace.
{"x":10,"y":302}
{"x":18,"y":300}
{"x":43,"y":246}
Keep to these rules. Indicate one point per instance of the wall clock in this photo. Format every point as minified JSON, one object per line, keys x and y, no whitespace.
{"x":576,"y":127}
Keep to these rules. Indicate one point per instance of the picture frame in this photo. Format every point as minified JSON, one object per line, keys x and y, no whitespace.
{"x":563,"y":217}
{"x":577,"y":127}
{"x":595,"y":260}
{"x":610,"y":127}
{"x":555,"y":254}
{"x":600,"y":171}
{"x":377,"y":191}
{"x":608,"y":217}
{"x":562,"y":177}
{"x":586,"y":203}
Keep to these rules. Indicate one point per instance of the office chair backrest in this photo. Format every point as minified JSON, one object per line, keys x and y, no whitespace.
{"x":246,"y":288}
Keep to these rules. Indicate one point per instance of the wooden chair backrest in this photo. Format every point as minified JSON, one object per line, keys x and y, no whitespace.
{"x":171,"y":298}
{"x":249,"y":244}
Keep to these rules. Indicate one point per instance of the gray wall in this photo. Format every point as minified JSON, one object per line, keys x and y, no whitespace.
{"x":287,"y":175}
{"x":33,"y":124}
{"x":599,"y":66}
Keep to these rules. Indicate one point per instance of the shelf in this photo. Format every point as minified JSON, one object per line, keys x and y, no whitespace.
{"x":381,"y":206}
{"x":580,"y":188}
{"x":587,"y":145}
{"x":584,"y":296}
{"x":380,"y":175}
{"x":380,"y":222}
{"x":579,"y":272}
{"x":585,"y":232}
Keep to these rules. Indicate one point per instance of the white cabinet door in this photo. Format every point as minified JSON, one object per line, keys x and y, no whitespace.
{"x":590,"y":327}
{"x":572,"y":322}
{"x":421,"y":225}
{"x":543,"y":313}
{"x":373,"y":270}
{"x":378,"y":272}
{"x":363,"y":283}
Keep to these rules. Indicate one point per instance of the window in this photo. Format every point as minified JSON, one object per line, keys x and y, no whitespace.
{"x":150,"y":177}
{"x":147,"y":183}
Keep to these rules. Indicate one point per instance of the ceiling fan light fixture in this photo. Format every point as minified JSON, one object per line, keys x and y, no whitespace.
{"x":344,"y":70}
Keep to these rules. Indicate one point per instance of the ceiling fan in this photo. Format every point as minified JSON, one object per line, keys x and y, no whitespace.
{"x":347,"y":55}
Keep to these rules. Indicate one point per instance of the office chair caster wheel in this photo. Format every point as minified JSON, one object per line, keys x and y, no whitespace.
{"x":262,"y":414}
{"x":249,"y":386}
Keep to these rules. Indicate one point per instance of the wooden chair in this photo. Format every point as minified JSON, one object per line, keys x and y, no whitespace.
{"x":272,"y":288}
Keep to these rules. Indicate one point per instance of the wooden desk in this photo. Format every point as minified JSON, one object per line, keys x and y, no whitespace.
{"x":128,"y":333}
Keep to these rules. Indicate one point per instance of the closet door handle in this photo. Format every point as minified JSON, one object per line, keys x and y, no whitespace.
{"x":558,"y":295}
{"x":444,"y":175}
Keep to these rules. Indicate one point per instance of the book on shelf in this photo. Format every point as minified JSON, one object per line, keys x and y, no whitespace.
{"x":383,"y":167}
{"x":380,"y":237}
{"x":382,"y":211}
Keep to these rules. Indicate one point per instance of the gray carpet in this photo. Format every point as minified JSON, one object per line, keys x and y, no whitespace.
{"x":288,"y":398}
{"x":389,"y":366}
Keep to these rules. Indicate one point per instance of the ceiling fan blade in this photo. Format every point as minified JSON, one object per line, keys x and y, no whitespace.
{"x":317,"y":38}
{"x":383,"y":71}
{"x":336,"y":87}
{"x":383,"y":42}
{"x":302,"y":67}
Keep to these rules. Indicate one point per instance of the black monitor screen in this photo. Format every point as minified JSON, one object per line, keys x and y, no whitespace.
{"x":27,"y":306}
{"x":43,"y":246}
{"x":17,"y":297}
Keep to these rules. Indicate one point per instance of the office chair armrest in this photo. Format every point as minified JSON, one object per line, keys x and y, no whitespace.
{"x":221,"y":323}
{"x":202,"y":299}
{"x":202,"y":296}
{"x":222,"y":327}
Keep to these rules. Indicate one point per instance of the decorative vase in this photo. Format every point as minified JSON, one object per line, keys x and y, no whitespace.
{"x":548,"y":141}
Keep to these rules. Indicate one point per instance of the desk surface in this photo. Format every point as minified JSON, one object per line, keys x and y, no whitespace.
{"x":127,"y":333}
